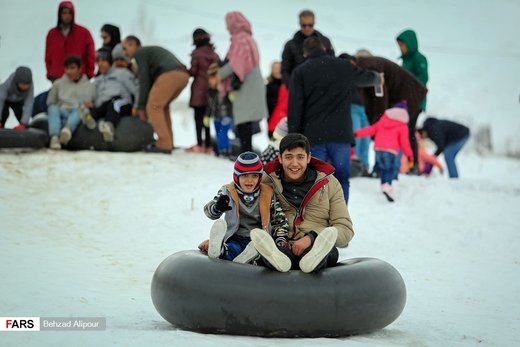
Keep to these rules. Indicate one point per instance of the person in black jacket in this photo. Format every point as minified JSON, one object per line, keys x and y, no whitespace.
{"x":292,"y":55}
{"x":319,"y":105}
{"x":449,"y":137}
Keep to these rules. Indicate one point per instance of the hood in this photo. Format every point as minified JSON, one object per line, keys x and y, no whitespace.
{"x":399,"y":114}
{"x":22,"y":75}
{"x":410,"y":39}
{"x":386,"y":122}
{"x":236,"y":23}
{"x":70,"y":6}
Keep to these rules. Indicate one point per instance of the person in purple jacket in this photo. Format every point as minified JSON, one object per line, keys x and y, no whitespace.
{"x":449,"y":137}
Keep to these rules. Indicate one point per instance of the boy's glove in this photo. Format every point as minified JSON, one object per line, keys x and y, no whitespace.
{"x":222,"y":204}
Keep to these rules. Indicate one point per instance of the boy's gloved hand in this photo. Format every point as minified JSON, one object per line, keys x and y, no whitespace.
{"x":222,"y":204}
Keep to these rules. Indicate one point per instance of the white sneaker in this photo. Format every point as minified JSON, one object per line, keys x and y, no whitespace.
{"x":216,"y":237}
{"x":55,"y":143}
{"x":89,"y":121}
{"x":247,"y":255}
{"x":320,"y":249}
{"x":65,"y":135}
{"x":265,"y":245}
{"x":107,"y":130}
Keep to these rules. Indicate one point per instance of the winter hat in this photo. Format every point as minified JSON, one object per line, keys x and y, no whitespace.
{"x":247,"y":163}
{"x":281,"y":130}
{"x":402,"y":104}
{"x":23,"y":75}
{"x":117,"y":53}
{"x":104,"y":54}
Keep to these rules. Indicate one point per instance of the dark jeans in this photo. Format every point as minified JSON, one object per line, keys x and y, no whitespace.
{"x":386,"y":162}
{"x":413,"y":140}
{"x":199,"y":113}
{"x":234,"y":246}
{"x":338,"y":154}
{"x":245,"y":135}
{"x":330,"y":260}
{"x":112,"y":110}
{"x":17,"y":108}
{"x":450,"y":152}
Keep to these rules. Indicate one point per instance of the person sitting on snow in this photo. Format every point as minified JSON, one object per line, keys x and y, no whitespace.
{"x":390,"y":134}
{"x":17,"y":93}
{"x":312,"y":199}
{"x":449,"y":137}
{"x":248,"y":206}
{"x":67,"y":96}
{"x":115,"y":89}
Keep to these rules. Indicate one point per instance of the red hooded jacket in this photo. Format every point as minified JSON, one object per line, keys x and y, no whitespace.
{"x":78,"y":42}
{"x":390,"y":132}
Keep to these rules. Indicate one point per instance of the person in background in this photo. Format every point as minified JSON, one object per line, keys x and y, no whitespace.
{"x":67,"y":39}
{"x":247,"y":205}
{"x":390,"y":134}
{"x":17,"y":93}
{"x":119,"y":58}
{"x":68,"y":95}
{"x":219,"y":109}
{"x":162,"y":77}
{"x":426,"y":161}
{"x":115,"y":90}
{"x":413,"y":60}
{"x":272,"y":90}
{"x":201,"y":58}
{"x":319,"y":105}
{"x":449,"y":137}
{"x":272,"y":151}
{"x":292,"y":54}
{"x":241,"y":77}
{"x":111,"y":36}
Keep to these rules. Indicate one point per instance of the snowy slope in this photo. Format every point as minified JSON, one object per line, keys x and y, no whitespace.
{"x":82,"y":233}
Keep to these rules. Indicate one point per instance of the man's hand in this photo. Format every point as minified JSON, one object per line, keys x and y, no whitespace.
{"x":301,"y":245}
{"x":204,"y":246}
{"x":88,"y":104}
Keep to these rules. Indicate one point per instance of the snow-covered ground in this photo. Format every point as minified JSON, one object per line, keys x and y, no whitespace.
{"x":82,"y":233}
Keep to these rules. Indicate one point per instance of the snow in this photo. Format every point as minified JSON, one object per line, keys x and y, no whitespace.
{"x":82,"y":233}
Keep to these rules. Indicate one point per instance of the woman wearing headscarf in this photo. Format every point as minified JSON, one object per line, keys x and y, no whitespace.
{"x":241,"y":74}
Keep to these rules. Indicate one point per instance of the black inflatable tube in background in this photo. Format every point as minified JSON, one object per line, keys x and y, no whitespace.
{"x":194,"y":292}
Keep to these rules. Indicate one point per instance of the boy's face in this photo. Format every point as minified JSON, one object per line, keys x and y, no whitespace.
{"x":248,"y":182}
{"x":73,"y":72}
{"x":103,"y":66}
{"x":23,"y":87}
{"x":294,"y":162}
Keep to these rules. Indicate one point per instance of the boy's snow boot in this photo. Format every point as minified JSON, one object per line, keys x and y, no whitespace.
{"x":264,"y":244}
{"x":65,"y":135}
{"x":216,"y":237}
{"x":248,"y":254}
{"x":320,"y":249}
{"x":55,"y":143}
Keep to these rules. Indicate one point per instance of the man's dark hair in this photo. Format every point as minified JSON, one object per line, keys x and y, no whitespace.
{"x":306,"y":13}
{"x":134,"y":39}
{"x":312,"y":44}
{"x":347,"y":57}
{"x":72,"y":60}
{"x":295,"y":140}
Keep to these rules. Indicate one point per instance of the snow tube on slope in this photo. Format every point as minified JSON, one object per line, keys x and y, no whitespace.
{"x":197,"y":293}
{"x":30,"y":138}
{"x":131,"y":135}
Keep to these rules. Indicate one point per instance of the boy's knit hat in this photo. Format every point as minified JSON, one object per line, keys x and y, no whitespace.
{"x":247,"y":163}
{"x":117,"y":53}
{"x":23,"y":75}
{"x":402,"y":104}
{"x":281,"y":130}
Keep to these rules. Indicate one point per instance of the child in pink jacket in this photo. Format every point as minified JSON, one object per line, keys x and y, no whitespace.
{"x":390,"y":134}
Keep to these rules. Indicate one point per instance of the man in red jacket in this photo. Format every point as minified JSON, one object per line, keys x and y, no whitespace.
{"x":68,"y":38}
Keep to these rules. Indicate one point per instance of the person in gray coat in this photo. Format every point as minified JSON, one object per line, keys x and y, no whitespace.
{"x":241,"y":76}
{"x":17,"y":93}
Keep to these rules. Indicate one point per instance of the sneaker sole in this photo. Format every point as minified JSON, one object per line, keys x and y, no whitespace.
{"x":65,"y":137}
{"x":321,"y":248}
{"x":248,"y":254}
{"x":265,"y":245}
{"x":216,"y":237}
{"x":108,"y":136}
